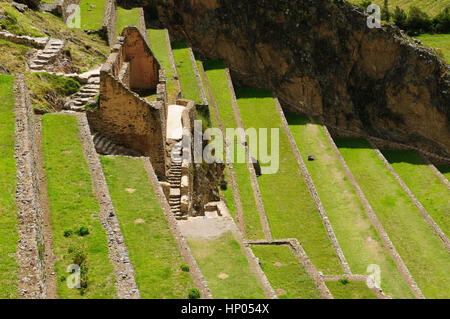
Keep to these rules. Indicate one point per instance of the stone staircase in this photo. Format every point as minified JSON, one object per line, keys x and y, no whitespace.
{"x":104,"y":146}
{"x":46,"y":56}
{"x":175,"y":181}
{"x":87,"y":92}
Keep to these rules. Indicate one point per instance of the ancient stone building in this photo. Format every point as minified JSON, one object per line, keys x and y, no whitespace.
{"x":133,"y":99}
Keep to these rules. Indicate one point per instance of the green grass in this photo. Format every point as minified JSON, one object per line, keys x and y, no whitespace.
{"x":420,"y":248}
{"x":151,"y":246}
{"x":358,"y":238}
{"x":8,"y":220}
{"x":44,"y":84}
{"x":215,"y":71}
{"x":92,"y":18}
{"x":72,"y":205}
{"x":223,"y":255}
{"x":432,"y":7}
{"x":17,"y":23}
{"x":439,"y":42}
{"x":285,"y":273}
{"x":351,"y":290}
{"x":186,"y":73}
{"x":159,"y":47}
{"x":289,"y":206}
{"x":127,"y":18}
{"x":424,"y":184}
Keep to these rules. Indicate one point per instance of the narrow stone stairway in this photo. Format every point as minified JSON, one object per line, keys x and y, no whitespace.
{"x":87,"y":92}
{"x":175,"y":181}
{"x":47,"y":55}
{"x":104,"y":146}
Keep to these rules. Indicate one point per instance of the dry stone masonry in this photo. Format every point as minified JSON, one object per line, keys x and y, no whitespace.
{"x":45,"y":57}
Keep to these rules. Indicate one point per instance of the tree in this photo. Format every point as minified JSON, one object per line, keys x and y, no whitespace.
{"x":441,"y":23}
{"x":385,"y":14}
{"x":418,"y":21}
{"x":400,"y":18}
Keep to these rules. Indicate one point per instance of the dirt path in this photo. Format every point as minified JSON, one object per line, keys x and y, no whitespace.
{"x":49,"y":257}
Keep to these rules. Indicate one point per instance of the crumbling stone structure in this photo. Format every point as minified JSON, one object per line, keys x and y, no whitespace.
{"x":123,"y":116}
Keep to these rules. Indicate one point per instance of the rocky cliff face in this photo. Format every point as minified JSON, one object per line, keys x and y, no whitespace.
{"x":319,"y":56}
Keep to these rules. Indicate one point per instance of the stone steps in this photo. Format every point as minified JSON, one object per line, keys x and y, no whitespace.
{"x":105,"y":146}
{"x":46,"y":56}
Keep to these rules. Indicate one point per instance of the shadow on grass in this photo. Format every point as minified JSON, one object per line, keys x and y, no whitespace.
{"x":297,"y":119}
{"x":444,"y":169}
{"x":251,"y":93}
{"x":179,"y":45}
{"x":352,"y":143}
{"x":213,"y":65}
{"x":403,"y":156}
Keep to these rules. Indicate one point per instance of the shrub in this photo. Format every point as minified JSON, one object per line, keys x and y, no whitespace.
{"x":194,"y":293}
{"x":344,"y":281}
{"x":83,"y":231}
{"x":418,"y":22}
{"x":400,"y":18}
{"x":68,"y":232}
{"x":185,"y":267}
{"x":79,"y":257}
{"x":441,"y":23}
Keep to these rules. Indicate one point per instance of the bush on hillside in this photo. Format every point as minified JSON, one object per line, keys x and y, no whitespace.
{"x":194,"y":293}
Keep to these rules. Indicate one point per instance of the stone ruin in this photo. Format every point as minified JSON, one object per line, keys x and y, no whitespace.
{"x":132,"y":118}
{"x":123,"y":115}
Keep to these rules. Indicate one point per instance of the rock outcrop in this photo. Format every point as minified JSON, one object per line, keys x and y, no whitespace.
{"x":319,"y":56}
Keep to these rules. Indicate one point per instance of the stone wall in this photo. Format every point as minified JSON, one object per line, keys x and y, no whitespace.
{"x":109,"y":25}
{"x":38,"y":43}
{"x":123,"y":116}
{"x":320,"y":57}
{"x":30,"y":252}
{"x":64,"y":5}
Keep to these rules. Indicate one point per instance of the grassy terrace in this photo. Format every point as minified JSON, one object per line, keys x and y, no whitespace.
{"x":159,"y":47}
{"x":217,"y":79}
{"x":286,"y":275}
{"x":8,"y":219}
{"x":424,"y":184}
{"x":439,"y":42}
{"x":421,"y":250}
{"x":127,"y":18}
{"x":73,"y":205}
{"x":92,"y":17}
{"x":350,"y":290}
{"x":225,"y":268}
{"x":152,"y":248}
{"x":289,"y":207}
{"x":186,"y":72}
{"x":337,"y":196}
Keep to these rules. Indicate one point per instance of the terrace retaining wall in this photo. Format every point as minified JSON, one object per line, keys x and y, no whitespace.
{"x":30,"y":250}
{"x":109,"y":25}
